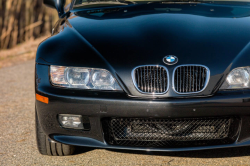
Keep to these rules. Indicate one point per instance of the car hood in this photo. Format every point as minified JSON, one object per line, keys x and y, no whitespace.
{"x":213,"y":35}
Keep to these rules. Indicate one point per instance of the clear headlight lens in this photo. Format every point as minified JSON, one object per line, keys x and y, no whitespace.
{"x":102,"y":78}
{"x":238,"y":78}
{"x":83,"y":78}
{"x":77,"y":76}
{"x":57,"y":75}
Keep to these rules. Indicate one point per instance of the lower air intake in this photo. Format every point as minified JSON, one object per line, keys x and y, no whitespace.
{"x":170,"y":132}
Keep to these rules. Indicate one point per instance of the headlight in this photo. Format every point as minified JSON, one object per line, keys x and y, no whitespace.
{"x":83,"y":78}
{"x":238,"y":78}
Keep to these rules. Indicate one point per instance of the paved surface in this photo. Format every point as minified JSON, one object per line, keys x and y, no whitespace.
{"x":17,"y":134}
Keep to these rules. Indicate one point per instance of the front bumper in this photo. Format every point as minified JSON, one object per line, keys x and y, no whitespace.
{"x":89,"y":142}
{"x":97,"y":106}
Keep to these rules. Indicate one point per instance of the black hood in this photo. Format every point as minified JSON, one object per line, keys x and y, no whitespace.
{"x":208,"y":34}
{"x":146,"y":35}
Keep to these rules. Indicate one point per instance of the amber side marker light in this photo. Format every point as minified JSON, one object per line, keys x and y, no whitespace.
{"x":42,"y":99}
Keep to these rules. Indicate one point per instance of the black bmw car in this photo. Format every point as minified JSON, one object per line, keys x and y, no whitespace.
{"x":156,"y":75}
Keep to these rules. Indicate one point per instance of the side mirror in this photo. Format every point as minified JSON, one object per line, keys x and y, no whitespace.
{"x":57,"y":4}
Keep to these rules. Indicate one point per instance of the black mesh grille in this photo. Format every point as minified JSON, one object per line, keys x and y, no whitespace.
{"x":151,"y":79}
{"x":170,"y":132}
{"x":190,"y":79}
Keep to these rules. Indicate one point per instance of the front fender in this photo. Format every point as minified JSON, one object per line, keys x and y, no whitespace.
{"x":68,"y":48}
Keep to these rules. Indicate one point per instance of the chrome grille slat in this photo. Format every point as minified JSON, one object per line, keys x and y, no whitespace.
{"x":160,"y":79}
{"x":196,"y":79}
{"x":193,"y":78}
{"x":148,"y":79}
{"x":190,"y":78}
{"x":141,"y":79}
{"x":190,"y":86}
{"x":138,"y":78}
{"x":151,"y":79}
{"x":203,"y":77}
{"x":177,"y":79}
{"x":200,"y":79}
{"x":180,"y":79}
{"x":144,"y":80}
{"x":154,"y":81}
{"x":164,"y":81}
{"x":183,"y":80}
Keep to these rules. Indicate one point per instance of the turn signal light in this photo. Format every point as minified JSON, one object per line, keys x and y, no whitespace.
{"x":42,"y":99}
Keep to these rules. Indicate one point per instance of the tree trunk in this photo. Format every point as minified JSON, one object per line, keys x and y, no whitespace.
{"x":22,"y":20}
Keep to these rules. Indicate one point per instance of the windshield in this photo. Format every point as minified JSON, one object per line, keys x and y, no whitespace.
{"x":124,"y":2}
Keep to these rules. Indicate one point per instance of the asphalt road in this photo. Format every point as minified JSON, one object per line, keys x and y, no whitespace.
{"x":17,"y":134}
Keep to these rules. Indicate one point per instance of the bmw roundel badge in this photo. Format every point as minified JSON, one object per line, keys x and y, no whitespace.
{"x":170,"y":60}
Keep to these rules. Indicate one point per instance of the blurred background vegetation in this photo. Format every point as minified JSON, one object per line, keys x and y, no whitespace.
{"x":24,"y":20}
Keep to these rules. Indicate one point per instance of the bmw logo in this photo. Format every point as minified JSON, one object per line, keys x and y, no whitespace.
{"x":170,"y":60}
